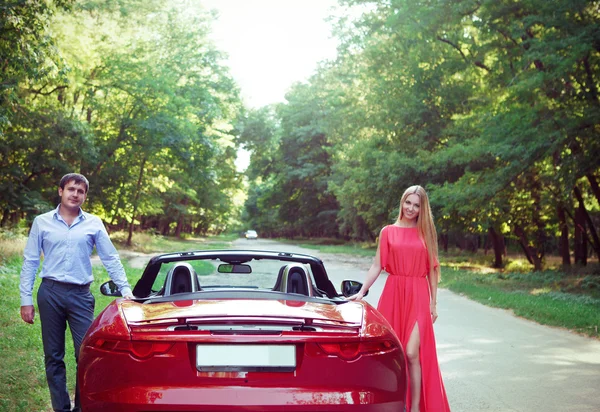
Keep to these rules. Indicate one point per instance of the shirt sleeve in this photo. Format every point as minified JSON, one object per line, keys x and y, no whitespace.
{"x":110,"y":259}
{"x":31,"y":262}
{"x":384,"y":248}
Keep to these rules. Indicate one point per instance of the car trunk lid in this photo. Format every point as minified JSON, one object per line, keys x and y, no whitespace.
{"x":271,"y":312}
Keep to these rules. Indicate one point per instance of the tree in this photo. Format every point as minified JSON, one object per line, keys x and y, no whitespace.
{"x":144,"y":107}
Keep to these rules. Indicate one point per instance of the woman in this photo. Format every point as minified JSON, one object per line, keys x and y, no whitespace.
{"x":408,"y":251}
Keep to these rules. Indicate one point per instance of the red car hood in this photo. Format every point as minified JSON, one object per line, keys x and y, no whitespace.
{"x":347,"y":314}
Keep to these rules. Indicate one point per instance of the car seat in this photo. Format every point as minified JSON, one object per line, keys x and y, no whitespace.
{"x":181,"y":278}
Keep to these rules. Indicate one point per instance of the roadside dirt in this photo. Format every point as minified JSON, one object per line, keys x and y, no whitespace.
{"x":136,"y":260}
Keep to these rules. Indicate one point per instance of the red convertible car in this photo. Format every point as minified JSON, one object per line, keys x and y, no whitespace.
{"x":240,"y":331}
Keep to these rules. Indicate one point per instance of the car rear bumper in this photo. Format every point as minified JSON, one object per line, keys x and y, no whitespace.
{"x":138,"y":399}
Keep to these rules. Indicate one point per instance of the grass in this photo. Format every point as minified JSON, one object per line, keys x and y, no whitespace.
{"x":329,"y":246}
{"x":549,"y":298}
{"x":21,"y":356}
{"x":566,"y":299}
{"x":147,"y":243}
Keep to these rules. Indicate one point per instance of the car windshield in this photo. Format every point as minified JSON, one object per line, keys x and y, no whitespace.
{"x":262,"y":274}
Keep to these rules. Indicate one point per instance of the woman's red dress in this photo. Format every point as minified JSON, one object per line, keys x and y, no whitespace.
{"x":405,"y":302}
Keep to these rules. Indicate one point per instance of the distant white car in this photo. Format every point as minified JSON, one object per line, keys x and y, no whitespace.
{"x":251,"y":234}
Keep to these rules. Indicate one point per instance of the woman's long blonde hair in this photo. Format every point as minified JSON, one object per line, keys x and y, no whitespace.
{"x":425,"y":224}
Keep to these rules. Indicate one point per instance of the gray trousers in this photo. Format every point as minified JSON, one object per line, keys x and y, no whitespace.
{"x":61,"y":303}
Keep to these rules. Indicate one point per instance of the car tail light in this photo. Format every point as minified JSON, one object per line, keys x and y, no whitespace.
{"x":138,"y":349}
{"x":350,"y":351}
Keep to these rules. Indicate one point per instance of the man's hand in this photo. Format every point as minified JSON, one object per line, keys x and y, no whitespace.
{"x":129,"y":296}
{"x":28,"y":313}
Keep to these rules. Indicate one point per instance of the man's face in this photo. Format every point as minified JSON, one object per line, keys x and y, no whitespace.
{"x":72,"y":196}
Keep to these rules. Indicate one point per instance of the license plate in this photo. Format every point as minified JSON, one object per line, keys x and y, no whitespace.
{"x":251,"y":358}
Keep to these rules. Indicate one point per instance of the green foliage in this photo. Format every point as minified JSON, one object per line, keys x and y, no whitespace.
{"x":492,"y":106}
{"x":290,"y":166}
{"x":27,"y":50}
{"x":141,"y":104}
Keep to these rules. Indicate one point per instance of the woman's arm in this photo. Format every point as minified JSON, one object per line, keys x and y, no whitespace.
{"x":434,"y":277}
{"x":371,"y":277}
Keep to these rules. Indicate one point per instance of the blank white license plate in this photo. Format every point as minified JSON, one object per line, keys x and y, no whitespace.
{"x":281,"y":358}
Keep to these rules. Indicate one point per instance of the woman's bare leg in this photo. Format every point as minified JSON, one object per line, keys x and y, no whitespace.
{"x":414,"y":368}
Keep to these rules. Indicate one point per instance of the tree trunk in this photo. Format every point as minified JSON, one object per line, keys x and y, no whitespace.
{"x":180,"y":228}
{"x":135,"y":201}
{"x":4,"y":217}
{"x":498,"y":245}
{"x":164,"y":228}
{"x":534,"y":250}
{"x":588,"y":220}
{"x":530,"y":252}
{"x":563,"y":245}
{"x":444,"y":240}
{"x":594,"y":185}
{"x":540,"y":232}
{"x":580,"y":246}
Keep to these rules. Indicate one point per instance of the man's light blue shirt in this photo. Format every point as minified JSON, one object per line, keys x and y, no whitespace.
{"x":67,"y":251}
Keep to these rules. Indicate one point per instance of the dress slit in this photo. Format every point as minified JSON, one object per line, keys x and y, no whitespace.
{"x":415,"y":328}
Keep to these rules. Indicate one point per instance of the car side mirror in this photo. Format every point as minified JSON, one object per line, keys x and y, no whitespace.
{"x":109,"y":289}
{"x":351,"y":287}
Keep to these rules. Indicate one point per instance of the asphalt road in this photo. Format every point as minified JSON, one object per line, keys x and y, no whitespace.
{"x":492,"y":360}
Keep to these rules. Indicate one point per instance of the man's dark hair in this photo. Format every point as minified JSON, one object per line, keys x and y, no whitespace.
{"x":74,"y":177}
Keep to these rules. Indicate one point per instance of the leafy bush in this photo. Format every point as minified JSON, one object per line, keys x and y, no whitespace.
{"x":518,"y":265}
{"x":591,"y":282}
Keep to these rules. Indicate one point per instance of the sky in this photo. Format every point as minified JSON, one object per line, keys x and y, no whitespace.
{"x":272,"y":43}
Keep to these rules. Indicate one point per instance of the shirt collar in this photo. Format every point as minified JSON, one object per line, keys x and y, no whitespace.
{"x":80,"y":215}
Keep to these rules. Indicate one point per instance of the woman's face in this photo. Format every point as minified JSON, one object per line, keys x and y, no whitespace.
{"x":411,"y":207}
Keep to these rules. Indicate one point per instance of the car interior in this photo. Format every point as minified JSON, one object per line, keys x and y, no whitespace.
{"x":241,"y":274}
{"x":181,"y":279}
{"x":293,"y":278}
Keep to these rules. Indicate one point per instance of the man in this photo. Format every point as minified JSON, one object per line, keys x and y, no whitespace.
{"x":66,"y":236}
